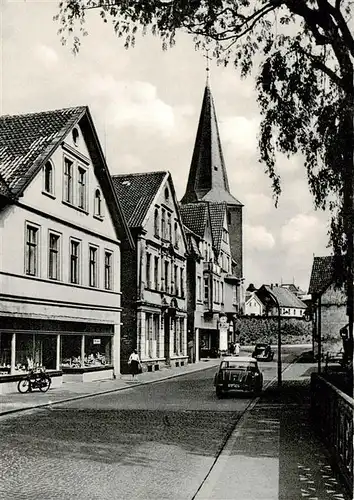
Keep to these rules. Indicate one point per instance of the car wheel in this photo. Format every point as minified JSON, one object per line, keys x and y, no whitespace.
{"x":219,"y":393}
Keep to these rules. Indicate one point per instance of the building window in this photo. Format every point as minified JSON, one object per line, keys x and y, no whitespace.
{"x":148,"y":270}
{"x":68,"y":180}
{"x":169,"y":228}
{"x":163,"y":284}
{"x":176,"y":235}
{"x":163,"y":224}
{"x":234,"y":295}
{"x":74,"y":262}
{"x":206,"y":289}
{"x":199,"y":288}
{"x":182,"y":282}
{"x":222,"y":292}
{"x":176,"y":280}
{"x":54,"y":256}
{"x":32,"y":236}
{"x":48,"y":178}
{"x":93,"y":268}
{"x":81,"y":181}
{"x":75,"y":135}
{"x":156,"y":223}
{"x":156,"y":272}
{"x":98,"y":203}
{"x":108,"y":277}
{"x":166,"y":276}
{"x":167,"y":194}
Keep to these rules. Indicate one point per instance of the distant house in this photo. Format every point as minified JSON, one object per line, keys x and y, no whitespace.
{"x":61,"y":234}
{"x":290,"y":305}
{"x":253,"y":305}
{"x":153,"y":276}
{"x":329,"y":304}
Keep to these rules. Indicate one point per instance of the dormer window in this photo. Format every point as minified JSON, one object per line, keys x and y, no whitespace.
{"x":98,"y":203}
{"x":75,"y":135}
{"x":49,"y":178}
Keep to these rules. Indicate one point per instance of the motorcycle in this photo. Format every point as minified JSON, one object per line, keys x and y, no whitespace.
{"x":35,"y":379}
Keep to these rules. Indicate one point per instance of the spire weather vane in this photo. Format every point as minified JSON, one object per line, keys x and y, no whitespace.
{"x":207,"y":58}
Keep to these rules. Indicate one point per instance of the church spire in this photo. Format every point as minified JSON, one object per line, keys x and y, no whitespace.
{"x":207,"y":179}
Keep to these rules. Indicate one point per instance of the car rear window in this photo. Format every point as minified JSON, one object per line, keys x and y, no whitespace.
{"x":238,"y":365}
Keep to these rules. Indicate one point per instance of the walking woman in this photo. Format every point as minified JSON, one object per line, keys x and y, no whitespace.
{"x":134,"y":363}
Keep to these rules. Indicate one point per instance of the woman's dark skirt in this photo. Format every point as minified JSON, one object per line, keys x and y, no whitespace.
{"x":134,"y":367}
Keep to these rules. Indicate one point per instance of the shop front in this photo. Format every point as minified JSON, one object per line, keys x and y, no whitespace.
{"x":69,"y":351}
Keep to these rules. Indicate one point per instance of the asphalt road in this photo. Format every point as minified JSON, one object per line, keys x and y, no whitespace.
{"x":155,"y":441}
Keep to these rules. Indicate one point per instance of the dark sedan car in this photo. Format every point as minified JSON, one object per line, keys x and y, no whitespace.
{"x":263,"y":352}
{"x":238,"y":374}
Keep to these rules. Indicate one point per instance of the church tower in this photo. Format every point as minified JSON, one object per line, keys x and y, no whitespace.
{"x":207,"y":180}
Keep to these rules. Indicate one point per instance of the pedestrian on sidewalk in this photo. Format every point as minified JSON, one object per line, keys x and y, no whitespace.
{"x":134,"y":363}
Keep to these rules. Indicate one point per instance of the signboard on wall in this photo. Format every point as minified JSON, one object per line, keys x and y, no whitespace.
{"x":223,"y":330}
{"x":97,"y":341}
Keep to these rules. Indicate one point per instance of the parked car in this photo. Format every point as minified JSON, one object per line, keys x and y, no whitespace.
{"x":238,"y":373}
{"x":263,"y":352}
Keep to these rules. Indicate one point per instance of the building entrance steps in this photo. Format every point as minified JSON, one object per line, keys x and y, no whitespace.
{"x":274,"y":452}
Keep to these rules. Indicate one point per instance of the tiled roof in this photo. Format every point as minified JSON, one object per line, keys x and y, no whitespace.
{"x":136,"y":193}
{"x":285,"y":297}
{"x":322,"y":274}
{"x":207,"y":179}
{"x":217,"y":215}
{"x":194,"y":216}
{"x":26,"y":141}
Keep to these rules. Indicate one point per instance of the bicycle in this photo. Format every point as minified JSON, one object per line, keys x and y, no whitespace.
{"x":37,"y":378}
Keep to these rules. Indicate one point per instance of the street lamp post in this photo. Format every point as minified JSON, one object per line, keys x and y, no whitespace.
{"x":279,"y":338}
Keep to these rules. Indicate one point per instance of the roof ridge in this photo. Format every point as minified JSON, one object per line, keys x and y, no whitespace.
{"x":137,"y":174}
{"x":50,"y":111}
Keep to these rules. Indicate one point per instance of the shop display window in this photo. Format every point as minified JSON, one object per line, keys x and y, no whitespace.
{"x":25,"y":352}
{"x":71,"y":351}
{"x":98,"y":351}
{"x":5,"y":350}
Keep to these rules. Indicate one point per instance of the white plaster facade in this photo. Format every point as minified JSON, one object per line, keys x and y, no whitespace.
{"x":60,"y":270}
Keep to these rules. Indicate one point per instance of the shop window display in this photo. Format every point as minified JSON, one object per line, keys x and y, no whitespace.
{"x":5,"y":351}
{"x":98,"y":351}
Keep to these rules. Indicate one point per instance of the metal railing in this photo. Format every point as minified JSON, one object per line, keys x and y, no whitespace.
{"x":332,"y":411}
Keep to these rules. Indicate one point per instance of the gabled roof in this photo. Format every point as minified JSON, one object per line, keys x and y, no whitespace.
{"x":322,"y":274}
{"x":195,"y":216}
{"x":136,"y":193}
{"x":207,"y":179}
{"x":28,"y":141}
{"x":217,"y":217}
{"x":283,"y":295}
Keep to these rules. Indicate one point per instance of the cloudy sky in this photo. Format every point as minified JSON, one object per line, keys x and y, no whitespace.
{"x":145,"y":104}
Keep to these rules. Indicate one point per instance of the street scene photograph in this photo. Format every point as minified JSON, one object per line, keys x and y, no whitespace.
{"x":176,"y":249}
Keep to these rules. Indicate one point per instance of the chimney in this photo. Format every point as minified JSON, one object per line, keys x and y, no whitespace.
{"x":271,"y":286}
{"x":276,"y":284}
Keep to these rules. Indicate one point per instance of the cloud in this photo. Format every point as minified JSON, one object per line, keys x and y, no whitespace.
{"x":240,"y":131}
{"x":299,"y":229}
{"x":257,"y":204}
{"x":46,"y":55}
{"x":258,"y":238}
{"x":132,"y":104}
